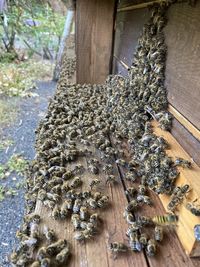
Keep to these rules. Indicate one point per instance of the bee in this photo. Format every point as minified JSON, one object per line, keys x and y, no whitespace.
{"x":83,"y":235}
{"x":143,"y":239}
{"x":42,"y":194}
{"x":193,"y":208}
{"x":167,"y":219}
{"x":111,"y":179}
{"x":56,"y":189}
{"x":93,"y":169}
{"x":63,"y":255}
{"x":130,"y":219}
{"x":134,"y":227}
{"x":35,"y":264}
{"x":132,"y":205}
{"x":131,"y":176}
{"x":117,"y":247}
{"x":54,"y":197}
{"x":151,"y":247}
{"x":56,"y":212}
{"x":84,"y":214}
{"x":94,"y":218}
{"x":131,"y":191}
{"x":71,"y":194}
{"x":76,"y":182}
{"x":64,"y":210}
{"x":49,"y":204}
{"x":144,"y":220}
{"x":75,"y":219}
{"x":183,"y":163}
{"x":56,"y":247}
{"x":86,"y":194}
{"x":142,"y":189}
{"x":77,"y":206}
{"x":103,"y":202}
{"x":42,"y":253}
{"x":144,"y":199}
{"x":158,"y":233}
{"x":92,"y":203}
{"x":67,"y":175}
{"x":94,"y":182}
{"x":65,"y":187}
{"x":108,"y":169}
{"x":49,"y":234}
{"x":46,"y":262}
{"x":134,"y":242}
{"x":34,"y":230}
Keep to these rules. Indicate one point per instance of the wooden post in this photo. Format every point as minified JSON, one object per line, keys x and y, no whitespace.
{"x":94,"y":34}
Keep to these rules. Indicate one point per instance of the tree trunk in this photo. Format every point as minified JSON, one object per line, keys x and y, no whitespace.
{"x":66,"y":32}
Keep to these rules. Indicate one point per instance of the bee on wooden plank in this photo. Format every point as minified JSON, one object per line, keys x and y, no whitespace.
{"x":167,"y":219}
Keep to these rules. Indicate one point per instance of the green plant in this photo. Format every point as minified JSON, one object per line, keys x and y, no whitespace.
{"x":17,"y":164}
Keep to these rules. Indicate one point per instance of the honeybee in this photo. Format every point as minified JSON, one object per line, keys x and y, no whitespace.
{"x":131,"y":176}
{"x":63,"y":255}
{"x":158,"y":233}
{"x":144,"y":220}
{"x":42,"y":194}
{"x":56,"y":247}
{"x":83,"y":235}
{"x":132,"y":205}
{"x":151,"y":247}
{"x":183,"y":163}
{"x":117,"y":247}
{"x":193,"y":208}
{"x":131,"y":191}
{"x":94,"y":182}
{"x":108,"y":169}
{"x":92,"y":203}
{"x":42,"y":253}
{"x":76,"y":182}
{"x":46,"y":262}
{"x":84,"y":214}
{"x":34,"y":230}
{"x":143,"y":239}
{"x":142,"y":189}
{"x":167,"y":219}
{"x":49,"y":234}
{"x":130,"y":219}
{"x":103,"y":202}
{"x":111,"y":179}
{"x":134,"y":242}
{"x":56,"y":212}
{"x":75,"y":219}
{"x":144,"y":199}
{"x":35,"y":264}
{"x":77,"y":206}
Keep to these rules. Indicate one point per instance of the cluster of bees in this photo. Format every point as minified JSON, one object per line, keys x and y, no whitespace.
{"x":53,"y":252}
{"x":81,"y":125}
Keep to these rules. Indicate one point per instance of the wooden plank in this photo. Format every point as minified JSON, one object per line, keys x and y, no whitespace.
{"x":95,"y":252}
{"x":186,"y":140}
{"x":170,"y":251}
{"x":140,"y":5}
{"x":188,"y":125}
{"x":187,"y":221}
{"x":183,"y":61}
{"x":125,"y":3}
{"x":128,"y":28}
{"x":94,"y":31}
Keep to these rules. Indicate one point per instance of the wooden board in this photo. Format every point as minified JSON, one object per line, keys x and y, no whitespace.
{"x":94,"y":32}
{"x":183,"y":61}
{"x":187,"y":221}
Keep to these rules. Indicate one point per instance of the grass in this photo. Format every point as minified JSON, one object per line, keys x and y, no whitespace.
{"x":17,"y":164}
{"x":16,"y":79}
{"x":8,"y":112}
{"x":4,"y":144}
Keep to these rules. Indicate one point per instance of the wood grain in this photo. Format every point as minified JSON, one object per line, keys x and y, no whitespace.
{"x":94,"y":32}
{"x":187,"y":221}
{"x":183,"y":61}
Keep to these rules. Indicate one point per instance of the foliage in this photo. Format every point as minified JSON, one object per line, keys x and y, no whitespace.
{"x":8,"y":112}
{"x":4,"y":144}
{"x":35,"y":24}
{"x":17,"y":79}
{"x":17,"y":164}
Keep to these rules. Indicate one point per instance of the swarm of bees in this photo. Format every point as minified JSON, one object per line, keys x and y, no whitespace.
{"x":81,"y":119}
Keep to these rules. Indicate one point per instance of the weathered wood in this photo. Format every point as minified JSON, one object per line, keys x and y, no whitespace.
{"x":170,"y":251}
{"x":183,"y":62}
{"x":187,"y":221}
{"x":112,"y":228}
{"x":140,"y":5}
{"x":94,"y":32}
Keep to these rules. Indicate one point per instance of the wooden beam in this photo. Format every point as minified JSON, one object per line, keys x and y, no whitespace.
{"x":187,"y":124}
{"x":138,"y":6}
{"x":94,"y":35}
{"x":187,"y":221}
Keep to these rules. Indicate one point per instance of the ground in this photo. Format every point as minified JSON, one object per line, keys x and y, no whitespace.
{"x":22,"y":135}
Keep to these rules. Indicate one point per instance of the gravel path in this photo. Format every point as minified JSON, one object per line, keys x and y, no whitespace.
{"x":23,"y":134}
